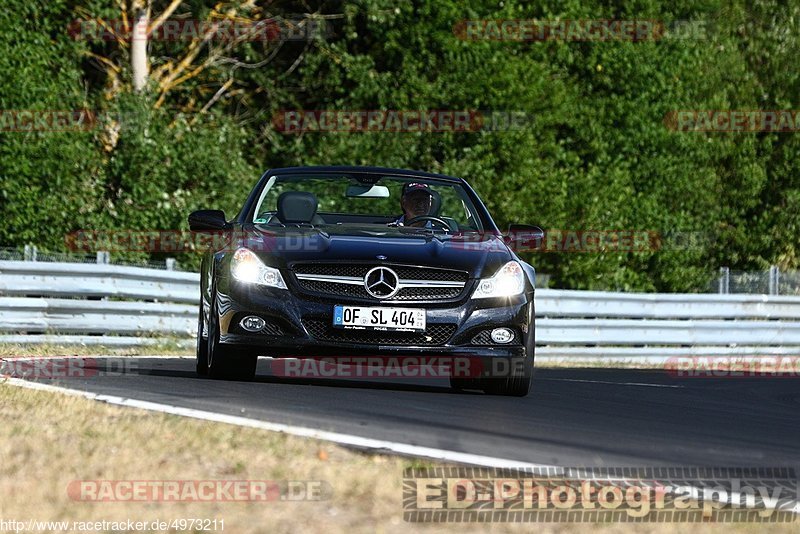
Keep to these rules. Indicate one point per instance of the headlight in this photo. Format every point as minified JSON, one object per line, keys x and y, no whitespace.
{"x":508,"y":281}
{"x":246,"y":267}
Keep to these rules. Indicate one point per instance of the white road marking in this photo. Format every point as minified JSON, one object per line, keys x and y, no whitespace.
{"x":377,"y":445}
{"x":613,"y":383}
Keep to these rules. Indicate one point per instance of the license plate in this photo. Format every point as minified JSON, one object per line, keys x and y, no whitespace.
{"x":357,"y":317}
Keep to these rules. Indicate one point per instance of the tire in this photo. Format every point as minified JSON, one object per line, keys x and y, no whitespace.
{"x":518,"y":381}
{"x":223,"y":362}
{"x":517,"y":384}
{"x":201,"y":363}
{"x":462,"y":384}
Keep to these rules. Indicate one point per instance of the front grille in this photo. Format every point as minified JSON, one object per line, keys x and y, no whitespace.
{"x":435,"y":334}
{"x":485,"y":338}
{"x":333,"y":288}
{"x":428,"y":293}
{"x":328,"y":269}
{"x":358,"y":271}
{"x":359,"y":291}
{"x":271,"y":329}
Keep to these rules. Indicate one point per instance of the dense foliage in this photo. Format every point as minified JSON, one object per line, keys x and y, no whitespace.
{"x":597,"y":154}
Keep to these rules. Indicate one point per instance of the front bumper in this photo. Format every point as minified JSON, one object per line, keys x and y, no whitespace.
{"x":299,"y":326}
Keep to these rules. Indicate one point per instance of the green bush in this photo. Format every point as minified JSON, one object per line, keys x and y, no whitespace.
{"x":596,"y":155}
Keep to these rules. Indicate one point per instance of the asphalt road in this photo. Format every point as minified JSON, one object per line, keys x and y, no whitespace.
{"x":571,"y":418}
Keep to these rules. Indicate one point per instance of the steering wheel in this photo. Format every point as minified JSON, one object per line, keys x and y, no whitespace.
{"x":430,"y":218}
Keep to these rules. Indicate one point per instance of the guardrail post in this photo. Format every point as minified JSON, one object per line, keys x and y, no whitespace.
{"x":170,"y":264}
{"x":30,"y":253}
{"x":774,"y":280}
{"x":724,"y":280}
{"x":103,"y":257}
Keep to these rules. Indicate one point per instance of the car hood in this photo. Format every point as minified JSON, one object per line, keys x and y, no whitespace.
{"x":479,"y":254}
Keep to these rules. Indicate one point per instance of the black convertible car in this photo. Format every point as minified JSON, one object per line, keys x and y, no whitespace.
{"x":345,"y":261}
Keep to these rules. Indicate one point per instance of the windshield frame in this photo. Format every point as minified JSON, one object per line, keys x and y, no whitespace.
{"x":247,"y":213}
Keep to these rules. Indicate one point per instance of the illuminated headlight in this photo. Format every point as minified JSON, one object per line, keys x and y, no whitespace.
{"x":508,"y":281}
{"x":246,"y":267}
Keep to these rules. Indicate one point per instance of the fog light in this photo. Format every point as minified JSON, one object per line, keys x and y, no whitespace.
{"x":252,"y":323}
{"x":502,"y":335}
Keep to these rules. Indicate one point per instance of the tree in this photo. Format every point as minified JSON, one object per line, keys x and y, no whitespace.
{"x":170,"y":43}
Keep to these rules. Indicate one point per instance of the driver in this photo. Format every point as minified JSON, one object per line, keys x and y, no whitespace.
{"x":416,"y":201}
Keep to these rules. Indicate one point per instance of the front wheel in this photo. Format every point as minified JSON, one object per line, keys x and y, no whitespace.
{"x":223,"y":362}
{"x":516,"y":384}
{"x":463,"y":384}
{"x":201,"y":363}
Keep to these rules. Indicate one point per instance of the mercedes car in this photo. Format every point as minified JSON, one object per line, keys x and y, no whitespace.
{"x":335,"y":262}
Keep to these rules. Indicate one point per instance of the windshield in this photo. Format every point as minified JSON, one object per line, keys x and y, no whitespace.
{"x":388,"y":201}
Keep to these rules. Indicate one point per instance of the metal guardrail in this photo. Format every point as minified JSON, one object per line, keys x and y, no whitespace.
{"x":598,"y":324}
{"x":96,"y":316}
{"x":92,"y":280}
{"x":116,"y":305}
{"x":94,"y":304}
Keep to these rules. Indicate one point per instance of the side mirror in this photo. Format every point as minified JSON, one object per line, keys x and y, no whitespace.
{"x":524,"y":237}
{"x":204,"y":220}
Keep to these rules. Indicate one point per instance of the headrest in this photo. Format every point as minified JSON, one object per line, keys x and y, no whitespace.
{"x":296,"y":207}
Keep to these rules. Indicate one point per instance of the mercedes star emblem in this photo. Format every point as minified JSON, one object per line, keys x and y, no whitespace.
{"x":382,"y":283}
